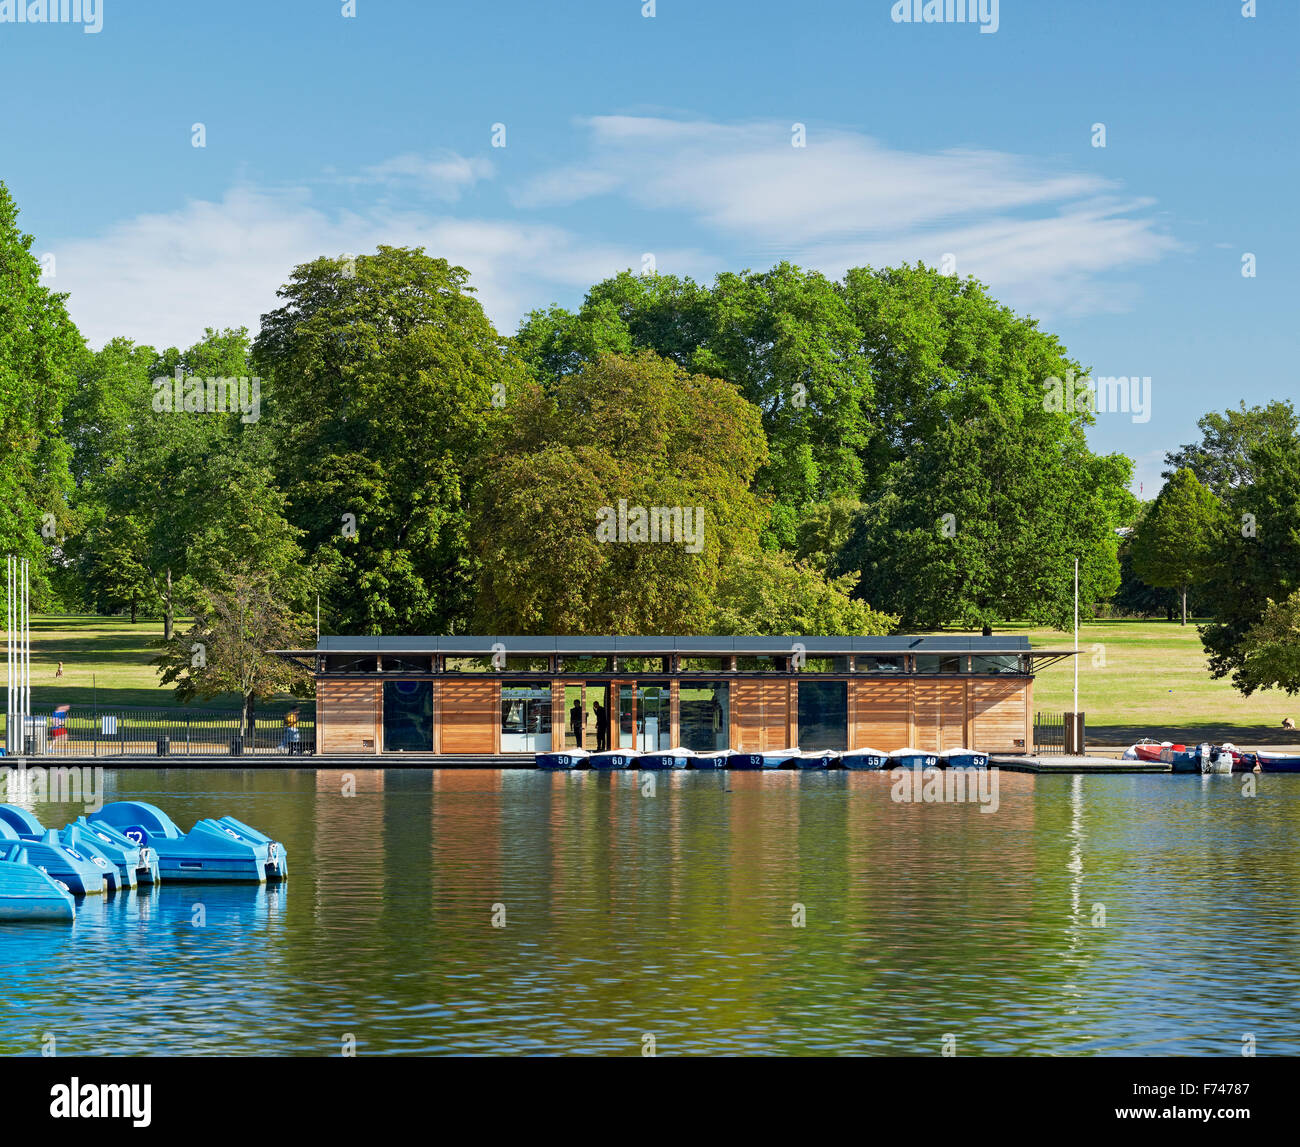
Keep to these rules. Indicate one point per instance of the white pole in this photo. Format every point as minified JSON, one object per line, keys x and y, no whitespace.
{"x":1076,"y":639}
{"x":27,"y":649}
{"x":9,"y":653}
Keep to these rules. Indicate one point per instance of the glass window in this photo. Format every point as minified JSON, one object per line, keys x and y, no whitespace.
{"x":1001,"y":663}
{"x":407,"y":664}
{"x":585,"y":663}
{"x":768,"y":664}
{"x":351,"y":663}
{"x":408,"y":716}
{"x":644,"y":716}
{"x":826,"y":665}
{"x":872,"y":664}
{"x":702,"y":665}
{"x":705,"y":715}
{"x":468,"y":664}
{"x":823,"y":714}
{"x":632,"y":665}
{"x":525,"y":718}
{"x":528,"y":664}
{"x":938,"y":663}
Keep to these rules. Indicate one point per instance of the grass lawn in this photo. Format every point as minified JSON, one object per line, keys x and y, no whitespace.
{"x":1148,"y":678}
{"x":105,"y":659}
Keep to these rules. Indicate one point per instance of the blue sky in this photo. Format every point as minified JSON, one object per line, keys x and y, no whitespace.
{"x":671,"y":135}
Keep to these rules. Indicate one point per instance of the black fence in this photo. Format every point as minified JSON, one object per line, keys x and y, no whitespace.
{"x":1049,"y":733}
{"x":81,"y":731}
{"x":1060,"y":733}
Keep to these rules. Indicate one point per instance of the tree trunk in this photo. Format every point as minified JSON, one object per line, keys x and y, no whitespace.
{"x":1184,"y":622}
{"x":167,"y":611}
{"x":988,"y":631}
{"x":133,"y":611}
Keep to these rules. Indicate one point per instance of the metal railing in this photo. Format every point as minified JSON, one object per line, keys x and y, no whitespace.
{"x":83,"y":731}
{"x":1049,"y":733}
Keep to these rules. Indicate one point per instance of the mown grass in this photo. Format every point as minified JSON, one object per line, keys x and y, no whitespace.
{"x":1149,"y":678}
{"x":105,"y":660}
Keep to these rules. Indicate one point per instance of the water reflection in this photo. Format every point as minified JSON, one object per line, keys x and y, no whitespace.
{"x":490,"y":911}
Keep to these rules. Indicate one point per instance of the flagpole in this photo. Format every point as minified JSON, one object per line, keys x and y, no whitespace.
{"x":1076,"y":639}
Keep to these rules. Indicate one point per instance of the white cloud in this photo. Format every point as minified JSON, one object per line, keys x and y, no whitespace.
{"x":1047,"y":240}
{"x":1043,"y":238}
{"x":161,"y":278}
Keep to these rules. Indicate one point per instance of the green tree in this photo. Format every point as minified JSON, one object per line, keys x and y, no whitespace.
{"x":1270,"y":652}
{"x":621,"y":433}
{"x":228,"y":648}
{"x":386,"y":380}
{"x":770,"y":593}
{"x":1175,"y":540}
{"x":982,"y":521}
{"x":1256,"y":556}
{"x":39,"y":352}
{"x":1221,"y":460}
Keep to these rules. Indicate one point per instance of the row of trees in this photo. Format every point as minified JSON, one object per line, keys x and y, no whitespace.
{"x":863,"y":454}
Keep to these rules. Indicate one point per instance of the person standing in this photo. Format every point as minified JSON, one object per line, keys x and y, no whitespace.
{"x":602,"y":727}
{"x":575,"y":722}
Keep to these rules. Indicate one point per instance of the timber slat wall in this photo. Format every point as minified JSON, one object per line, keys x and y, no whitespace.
{"x":347,"y":715}
{"x":471,"y":716}
{"x":928,"y":713}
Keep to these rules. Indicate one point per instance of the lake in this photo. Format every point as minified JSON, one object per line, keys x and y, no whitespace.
{"x":501,"y":912}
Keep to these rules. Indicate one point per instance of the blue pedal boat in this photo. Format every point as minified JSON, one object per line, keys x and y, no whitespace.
{"x":28,"y":893}
{"x":865,"y":760}
{"x":963,"y":759}
{"x":816,"y":759}
{"x":224,"y":849}
{"x":100,"y":853}
{"x":563,"y":759}
{"x":909,"y":758}
{"x":665,"y":759}
{"x":611,"y":759}
{"x":137,"y":863}
{"x":84,"y":874}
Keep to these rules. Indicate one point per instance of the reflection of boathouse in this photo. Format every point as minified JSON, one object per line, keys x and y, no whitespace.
{"x":505,"y":695}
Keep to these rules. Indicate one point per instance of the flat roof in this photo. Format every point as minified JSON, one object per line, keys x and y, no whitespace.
{"x":691,"y":646}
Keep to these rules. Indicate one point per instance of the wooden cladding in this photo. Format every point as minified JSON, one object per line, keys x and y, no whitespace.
{"x":469,"y":716}
{"x":760,"y":715}
{"x":347,"y":715}
{"x":887,"y":713}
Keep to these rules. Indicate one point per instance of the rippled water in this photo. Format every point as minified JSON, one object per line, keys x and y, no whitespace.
{"x":671,"y":915}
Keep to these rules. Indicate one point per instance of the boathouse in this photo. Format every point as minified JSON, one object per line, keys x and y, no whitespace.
{"x":520,"y":695}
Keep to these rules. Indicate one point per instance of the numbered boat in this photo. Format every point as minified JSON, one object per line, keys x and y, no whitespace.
{"x":771,"y":759}
{"x":963,"y":759}
{"x":816,"y":759}
{"x":563,"y":759}
{"x":665,"y":759}
{"x":714,"y":759}
{"x":611,"y":759}
{"x":220,"y":849}
{"x":865,"y":760}
{"x":909,"y":758}
{"x":121,"y":866}
{"x":28,"y":893}
{"x":138,"y":864}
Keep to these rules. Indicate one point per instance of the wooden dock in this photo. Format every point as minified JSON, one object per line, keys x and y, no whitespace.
{"x":1062,"y":763}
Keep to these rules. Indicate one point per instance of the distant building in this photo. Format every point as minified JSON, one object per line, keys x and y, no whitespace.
{"x":521,"y":695}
